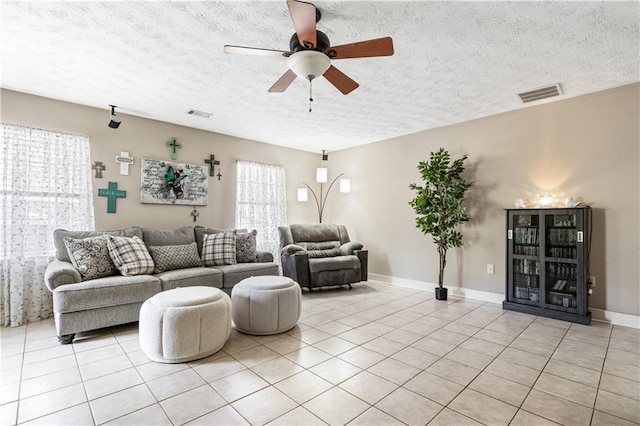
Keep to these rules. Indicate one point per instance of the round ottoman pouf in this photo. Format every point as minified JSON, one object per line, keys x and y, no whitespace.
{"x":266,"y":304}
{"x":184,"y":324}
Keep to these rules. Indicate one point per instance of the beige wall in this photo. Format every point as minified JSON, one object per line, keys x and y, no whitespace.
{"x":585,"y":146}
{"x":146,"y":138}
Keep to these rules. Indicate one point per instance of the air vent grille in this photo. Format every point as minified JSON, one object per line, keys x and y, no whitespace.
{"x":197,"y":113}
{"x":540,"y":93}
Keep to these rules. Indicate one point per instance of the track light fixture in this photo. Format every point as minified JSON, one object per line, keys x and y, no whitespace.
{"x":114,"y":123}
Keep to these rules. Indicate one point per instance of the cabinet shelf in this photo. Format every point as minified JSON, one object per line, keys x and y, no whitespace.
{"x":547,"y":262}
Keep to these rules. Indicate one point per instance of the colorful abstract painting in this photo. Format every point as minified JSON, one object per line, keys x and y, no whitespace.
{"x":170,"y":182}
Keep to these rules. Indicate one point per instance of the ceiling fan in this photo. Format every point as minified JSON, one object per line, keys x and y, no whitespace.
{"x":310,"y":51}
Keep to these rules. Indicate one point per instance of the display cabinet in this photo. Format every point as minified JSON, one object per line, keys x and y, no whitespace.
{"x":548,"y":262}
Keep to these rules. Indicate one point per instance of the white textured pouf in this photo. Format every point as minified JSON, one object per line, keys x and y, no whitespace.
{"x":266,"y":304}
{"x":184,"y":324}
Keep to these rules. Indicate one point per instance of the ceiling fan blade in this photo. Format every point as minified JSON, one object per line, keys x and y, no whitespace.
{"x":340,"y":80}
{"x":283,"y":82}
{"x":304,"y":20}
{"x":255,"y":51}
{"x":362,"y":49}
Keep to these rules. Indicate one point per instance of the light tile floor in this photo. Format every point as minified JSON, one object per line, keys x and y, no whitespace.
{"x":373,"y":355}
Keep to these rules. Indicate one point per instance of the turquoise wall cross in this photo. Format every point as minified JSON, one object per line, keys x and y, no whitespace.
{"x":173,"y":146}
{"x":112,"y":193}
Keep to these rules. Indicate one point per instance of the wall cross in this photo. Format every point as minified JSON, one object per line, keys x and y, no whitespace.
{"x":112,"y":193}
{"x":98,"y":167}
{"x":173,"y":146}
{"x":125,"y":161}
{"x":212,"y":162}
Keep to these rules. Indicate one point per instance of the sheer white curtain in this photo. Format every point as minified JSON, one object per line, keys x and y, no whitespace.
{"x":46,"y":184}
{"x":261,"y":203}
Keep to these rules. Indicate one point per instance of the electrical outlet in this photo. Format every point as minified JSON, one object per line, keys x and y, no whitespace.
{"x":490,"y":268}
{"x":592,"y":281}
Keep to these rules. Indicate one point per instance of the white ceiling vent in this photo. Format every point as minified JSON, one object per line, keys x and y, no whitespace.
{"x":540,"y":93}
{"x":197,"y":113}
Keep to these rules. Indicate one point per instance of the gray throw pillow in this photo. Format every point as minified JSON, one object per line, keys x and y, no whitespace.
{"x":219,"y":249}
{"x":246,"y":247}
{"x":130,"y":255}
{"x":90,"y":256}
{"x":168,"y":258}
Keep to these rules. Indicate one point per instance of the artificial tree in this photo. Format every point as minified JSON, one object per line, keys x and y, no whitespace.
{"x":439,"y":205}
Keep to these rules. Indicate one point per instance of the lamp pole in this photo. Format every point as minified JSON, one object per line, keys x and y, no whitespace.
{"x":323,"y":197}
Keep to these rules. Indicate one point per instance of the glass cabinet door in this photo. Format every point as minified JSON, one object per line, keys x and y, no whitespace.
{"x":562,"y":248}
{"x":525,"y":250}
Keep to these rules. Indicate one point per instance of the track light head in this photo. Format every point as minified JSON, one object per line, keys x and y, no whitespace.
{"x":114,"y":123}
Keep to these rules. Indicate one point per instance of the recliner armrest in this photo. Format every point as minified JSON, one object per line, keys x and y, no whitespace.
{"x":60,"y":273}
{"x":264,"y":256}
{"x":363,"y":256}
{"x":291,"y":249}
{"x":348,"y":248}
{"x":296,"y":267}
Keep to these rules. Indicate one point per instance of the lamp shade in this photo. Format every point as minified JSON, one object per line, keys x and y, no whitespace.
{"x":345,"y":185}
{"x":321,"y":175}
{"x":303,"y":194}
{"x":307,"y":63}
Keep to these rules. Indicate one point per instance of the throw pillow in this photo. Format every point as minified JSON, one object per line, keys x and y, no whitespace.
{"x":168,"y":258}
{"x":219,"y":249}
{"x":90,"y":256}
{"x":130,"y":255}
{"x":246,"y":247}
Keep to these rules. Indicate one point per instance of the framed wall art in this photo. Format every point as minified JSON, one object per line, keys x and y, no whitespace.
{"x":170,"y":182}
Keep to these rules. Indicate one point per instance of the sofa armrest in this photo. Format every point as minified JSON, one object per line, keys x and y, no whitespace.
{"x":363,"y":256}
{"x":291,"y":249}
{"x":60,"y":273}
{"x":348,"y":248}
{"x":296,"y":267}
{"x":264,"y":256}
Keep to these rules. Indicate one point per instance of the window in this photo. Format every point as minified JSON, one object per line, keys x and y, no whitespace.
{"x":261,"y":203}
{"x":46,"y":184}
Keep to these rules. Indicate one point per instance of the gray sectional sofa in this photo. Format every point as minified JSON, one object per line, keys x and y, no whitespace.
{"x":82,"y":304}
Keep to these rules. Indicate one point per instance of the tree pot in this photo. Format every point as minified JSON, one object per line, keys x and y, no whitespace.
{"x":441,"y":293}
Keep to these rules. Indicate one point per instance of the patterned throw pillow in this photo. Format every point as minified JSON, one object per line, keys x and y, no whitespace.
{"x":130,"y":255}
{"x":219,"y":249}
{"x":246,"y":247}
{"x":90,"y":256}
{"x":168,"y":258}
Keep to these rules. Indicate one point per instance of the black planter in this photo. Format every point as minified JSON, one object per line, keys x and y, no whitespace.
{"x":441,"y":293}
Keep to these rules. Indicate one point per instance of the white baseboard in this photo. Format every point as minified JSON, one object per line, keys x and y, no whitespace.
{"x":484,"y":296}
{"x":615,"y":318}
{"x":601,"y":315}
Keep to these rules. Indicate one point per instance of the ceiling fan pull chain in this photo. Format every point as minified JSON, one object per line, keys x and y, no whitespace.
{"x":310,"y":92}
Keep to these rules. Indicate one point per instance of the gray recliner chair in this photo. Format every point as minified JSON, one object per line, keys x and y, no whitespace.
{"x":318,"y":255}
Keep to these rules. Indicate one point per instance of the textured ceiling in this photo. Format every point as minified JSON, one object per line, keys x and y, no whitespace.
{"x":454,"y":61}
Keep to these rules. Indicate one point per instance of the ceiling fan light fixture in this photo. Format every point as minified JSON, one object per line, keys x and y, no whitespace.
{"x":308,"y":64}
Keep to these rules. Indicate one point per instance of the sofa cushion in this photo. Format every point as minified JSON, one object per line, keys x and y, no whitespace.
{"x":130,"y":255}
{"x":190,"y":277}
{"x":168,"y":258}
{"x":104,"y":292}
{"x":167,"y":237}
{"x":246,"y":247}
{"x":233,"y":274}
{"x":219,"y":249}
{"x":61,"y":249}
{"x":90,"y":256}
